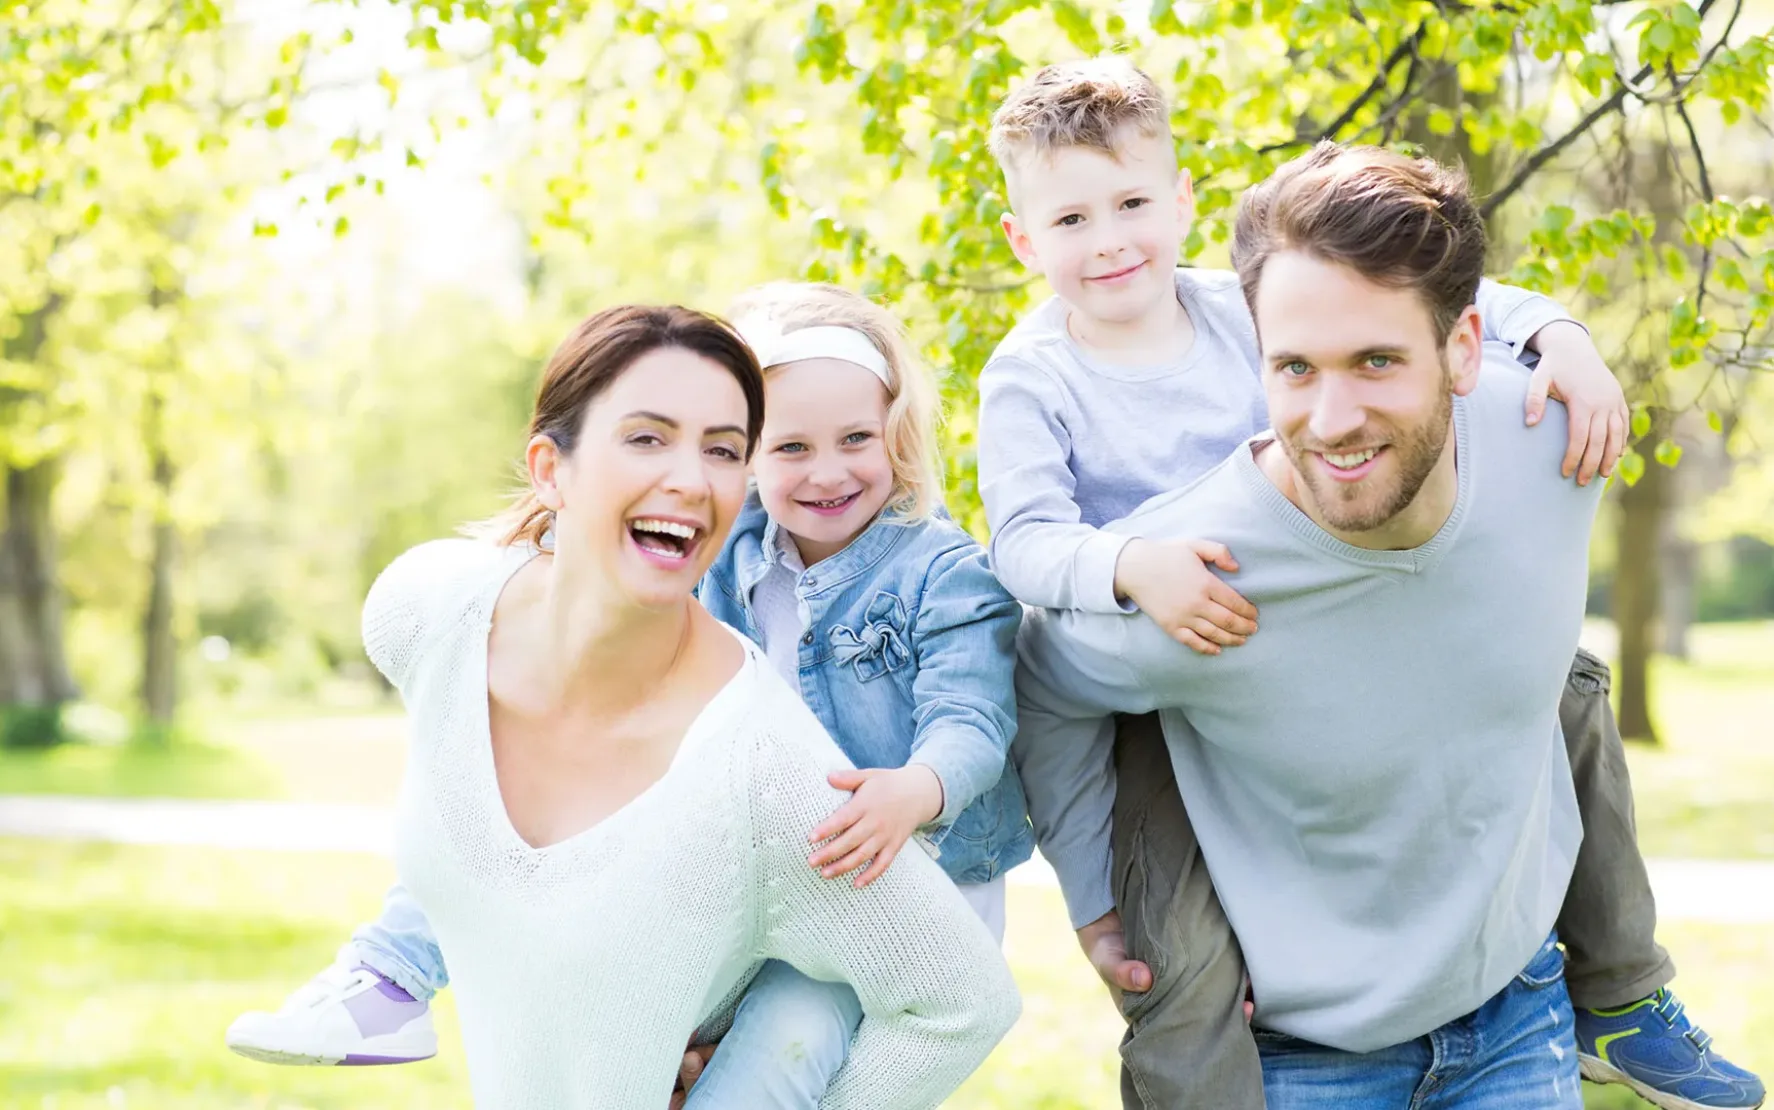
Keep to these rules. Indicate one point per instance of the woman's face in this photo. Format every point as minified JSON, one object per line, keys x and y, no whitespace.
{"x":822,"y":466}
{"x":656,"y":479}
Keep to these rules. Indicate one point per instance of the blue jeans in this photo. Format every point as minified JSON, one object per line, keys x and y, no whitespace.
{"x":789,"y":1037}
{"x":1516,"y":1052}
{"x":401,"y":946}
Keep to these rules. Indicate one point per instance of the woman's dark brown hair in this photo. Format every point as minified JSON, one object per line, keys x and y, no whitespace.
{"x":597,"y":353}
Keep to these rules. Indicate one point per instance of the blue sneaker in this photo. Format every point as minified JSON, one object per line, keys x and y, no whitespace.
{"x":1652,"y":1047}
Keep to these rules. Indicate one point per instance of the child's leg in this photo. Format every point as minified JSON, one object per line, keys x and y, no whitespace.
{"x":789,"y":1037}
{"x":987,"y":900}
{"x":1188,"y":1045}
{"x":369,"y":1007}
{"x":400,"y":947}
{"x":1609,"y":921}
{"x":1630,"y":1028}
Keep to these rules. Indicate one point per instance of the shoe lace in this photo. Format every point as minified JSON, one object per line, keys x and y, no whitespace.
{"x":1670,"y":1009}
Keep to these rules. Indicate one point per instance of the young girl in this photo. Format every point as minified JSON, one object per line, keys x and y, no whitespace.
{"x":886,"y":619}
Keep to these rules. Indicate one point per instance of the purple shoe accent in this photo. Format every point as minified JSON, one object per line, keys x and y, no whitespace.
{"x":384,"y":1010}
{"x":371,"y":1061}
{"x":388,"y":987}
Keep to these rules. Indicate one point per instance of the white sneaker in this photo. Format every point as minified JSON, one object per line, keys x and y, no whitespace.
{"x":342,"y":1016}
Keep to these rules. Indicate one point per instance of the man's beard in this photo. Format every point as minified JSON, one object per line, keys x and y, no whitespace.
{"x":1362,"y":506}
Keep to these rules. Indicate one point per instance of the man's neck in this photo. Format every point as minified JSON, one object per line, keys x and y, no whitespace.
{"x":1161,"y":335}
{"x":1411,"y":528}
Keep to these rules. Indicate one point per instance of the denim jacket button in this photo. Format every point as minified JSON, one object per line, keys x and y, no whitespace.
{"x":807,"y":639}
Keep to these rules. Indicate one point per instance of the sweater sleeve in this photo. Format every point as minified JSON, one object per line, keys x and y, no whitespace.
{"x":412,"y":599}
{"x":936,"y":994}
{"x":1041,"y":549}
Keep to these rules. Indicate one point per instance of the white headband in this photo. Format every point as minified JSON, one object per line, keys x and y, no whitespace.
{"x":775,"y":347}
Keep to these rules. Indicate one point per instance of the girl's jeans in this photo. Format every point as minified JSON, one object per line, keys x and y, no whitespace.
{"x":790,"y":1033}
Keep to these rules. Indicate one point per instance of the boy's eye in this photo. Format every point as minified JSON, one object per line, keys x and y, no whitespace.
{"x":1135,"y":202}
{"x":1070,"y":220}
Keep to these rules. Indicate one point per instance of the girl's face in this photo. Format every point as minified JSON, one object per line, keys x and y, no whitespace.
{"x":656,"y":480}
{"x":821,"y":466}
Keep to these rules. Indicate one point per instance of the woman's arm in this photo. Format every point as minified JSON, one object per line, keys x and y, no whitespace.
{"x":936,"y":994}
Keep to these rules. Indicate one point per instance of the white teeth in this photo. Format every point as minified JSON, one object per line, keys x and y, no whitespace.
{"x":667,"y":527}
{"x":1350,"y":462}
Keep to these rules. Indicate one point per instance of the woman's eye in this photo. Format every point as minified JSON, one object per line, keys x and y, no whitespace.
{"x":722,"y":450}
{"x":645,"y":439}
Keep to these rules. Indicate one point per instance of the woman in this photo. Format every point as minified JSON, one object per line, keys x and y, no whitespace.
{"x":606,"y":807}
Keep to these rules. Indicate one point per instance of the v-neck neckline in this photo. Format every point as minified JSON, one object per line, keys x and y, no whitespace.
{"x":707,"y":720}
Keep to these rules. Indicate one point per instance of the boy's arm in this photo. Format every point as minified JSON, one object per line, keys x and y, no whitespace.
{"x":1040,"y":548}
{"x":1570,"y":369}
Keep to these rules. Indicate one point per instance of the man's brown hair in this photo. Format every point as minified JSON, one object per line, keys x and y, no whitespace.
{"x":1076,"y":104}
{"x":1398,"y":221}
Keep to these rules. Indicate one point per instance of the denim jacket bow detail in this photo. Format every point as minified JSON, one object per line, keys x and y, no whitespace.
{"x":880,"y":646}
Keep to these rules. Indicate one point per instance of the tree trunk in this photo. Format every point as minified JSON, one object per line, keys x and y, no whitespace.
{"x":159,"y":644}
{"x":1681,"y":568}
{"x":34,"y":676}
{"x":1637,"y":592}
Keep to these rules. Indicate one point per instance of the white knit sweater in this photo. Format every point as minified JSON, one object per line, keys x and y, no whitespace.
{"x":581,"y":969}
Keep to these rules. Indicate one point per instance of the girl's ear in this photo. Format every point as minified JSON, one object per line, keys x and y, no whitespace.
{"x":543,"y":460}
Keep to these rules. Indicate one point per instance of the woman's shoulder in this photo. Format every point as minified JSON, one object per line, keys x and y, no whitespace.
{"x":424,"y":588}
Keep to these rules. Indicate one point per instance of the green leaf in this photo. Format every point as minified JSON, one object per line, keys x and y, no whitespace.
{"x":1641,"y":422}
{"x":1715,"y":422}
{"x":1669,"y":452}
{"x":1632,"y":467}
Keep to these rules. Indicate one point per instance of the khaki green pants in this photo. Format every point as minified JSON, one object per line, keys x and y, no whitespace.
{"x":1187,"y":1045}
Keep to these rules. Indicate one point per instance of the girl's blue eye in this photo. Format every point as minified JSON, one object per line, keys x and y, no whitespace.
{"x":791,"y":448}
{"x":857,"y":437}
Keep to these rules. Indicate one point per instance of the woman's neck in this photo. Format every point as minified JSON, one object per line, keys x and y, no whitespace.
{"x":590,"y":649}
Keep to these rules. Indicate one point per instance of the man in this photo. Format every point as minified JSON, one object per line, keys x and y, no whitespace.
{"x":1376,"y":778}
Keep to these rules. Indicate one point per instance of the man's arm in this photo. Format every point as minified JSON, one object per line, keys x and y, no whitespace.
{"x":1040,"y":549}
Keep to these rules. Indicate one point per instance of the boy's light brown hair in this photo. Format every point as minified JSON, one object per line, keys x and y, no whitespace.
{"x":1084,"y":103}
{"x":1405,"y":223}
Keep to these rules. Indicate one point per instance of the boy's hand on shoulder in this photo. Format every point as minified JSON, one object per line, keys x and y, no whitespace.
{"x":1571,"y":370}
{"x":1170,"y":582}
{"x":886,"y":806}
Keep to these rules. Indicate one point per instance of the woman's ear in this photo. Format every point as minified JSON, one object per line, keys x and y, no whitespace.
{"x":544,"y":461}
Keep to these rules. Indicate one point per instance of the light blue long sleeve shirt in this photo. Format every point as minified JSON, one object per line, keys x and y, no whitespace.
{"x":1377,"y":778}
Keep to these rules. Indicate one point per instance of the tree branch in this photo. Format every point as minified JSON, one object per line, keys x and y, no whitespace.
{"x":1406,"y":48}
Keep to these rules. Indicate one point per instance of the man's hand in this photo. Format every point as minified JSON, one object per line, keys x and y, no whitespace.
{"x":1572,"y":371}
{"x":886,"y":809}
{"x":1105,"y":946}
{"x":1170,"y":582}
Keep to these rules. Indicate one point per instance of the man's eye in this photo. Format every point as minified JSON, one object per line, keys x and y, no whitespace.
{"x":1379,"y":362}
{"x":1295,"y":369}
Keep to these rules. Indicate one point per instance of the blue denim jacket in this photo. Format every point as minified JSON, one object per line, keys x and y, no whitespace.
{"x":909,"y":656}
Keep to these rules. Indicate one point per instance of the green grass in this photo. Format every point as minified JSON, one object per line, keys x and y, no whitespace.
{"x":121,"y":966}
{"x":182,"y":769}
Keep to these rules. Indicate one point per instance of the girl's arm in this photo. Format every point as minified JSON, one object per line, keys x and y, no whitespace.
{"x":936,"y":994}
{"x":963,"y":641}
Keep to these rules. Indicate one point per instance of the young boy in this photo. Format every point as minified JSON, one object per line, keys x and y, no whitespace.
{"x":1138,"y":377}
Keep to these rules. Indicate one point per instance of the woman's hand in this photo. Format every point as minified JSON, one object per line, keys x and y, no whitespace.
{"x":886,"y":807}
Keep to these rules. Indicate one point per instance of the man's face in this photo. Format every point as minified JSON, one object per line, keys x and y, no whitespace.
{"x":1360,"y":391}
{"x":1105,"y":231}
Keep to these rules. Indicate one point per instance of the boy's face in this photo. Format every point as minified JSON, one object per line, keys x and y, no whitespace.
{"x":1105,"y":231}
